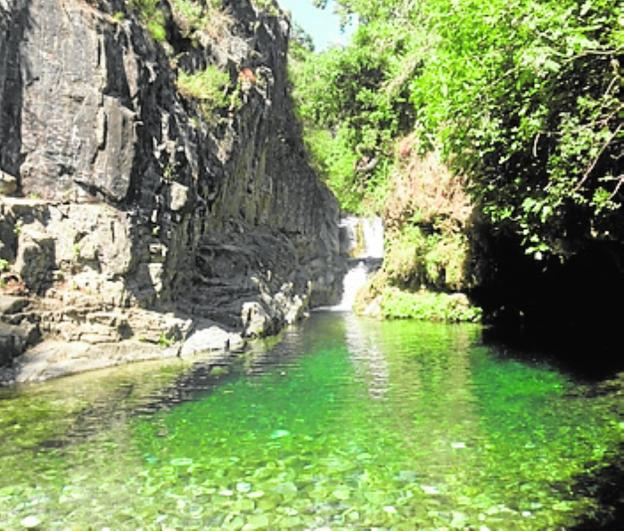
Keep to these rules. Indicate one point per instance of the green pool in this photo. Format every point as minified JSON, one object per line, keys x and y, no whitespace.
{"x":345,"y":423}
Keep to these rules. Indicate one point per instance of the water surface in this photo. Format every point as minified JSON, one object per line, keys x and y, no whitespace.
{"x":345,"y":423}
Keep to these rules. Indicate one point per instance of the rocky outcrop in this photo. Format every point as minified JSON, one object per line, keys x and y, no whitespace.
{"x":139,"y":221}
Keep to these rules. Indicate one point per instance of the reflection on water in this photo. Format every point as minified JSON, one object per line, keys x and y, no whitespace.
{"x":343,"y":423}
{"x":364,"y":344}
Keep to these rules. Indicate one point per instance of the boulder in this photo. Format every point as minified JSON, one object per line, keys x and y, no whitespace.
{"x":11,"y":305}
{"x":256,"y":320}
{"x":180,"y":197}
{"x":15,"y":339}
{"x":212,"y":338}
{"x":35,"y":259}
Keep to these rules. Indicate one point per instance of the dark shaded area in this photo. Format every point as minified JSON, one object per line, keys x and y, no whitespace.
{"x":606,"y":486}
{"x":568,"y":309}
{"x":14,"y":22}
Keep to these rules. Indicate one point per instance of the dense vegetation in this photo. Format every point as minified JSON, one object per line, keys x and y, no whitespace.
{"x":522,"y":97}
{"x":520,"y":100}
{"x":184,"y":26}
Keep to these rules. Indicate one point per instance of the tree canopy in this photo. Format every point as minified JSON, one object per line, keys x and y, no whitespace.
{"x":522,"y":97}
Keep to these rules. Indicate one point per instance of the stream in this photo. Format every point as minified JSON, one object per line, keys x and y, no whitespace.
{"x":342,"y":422}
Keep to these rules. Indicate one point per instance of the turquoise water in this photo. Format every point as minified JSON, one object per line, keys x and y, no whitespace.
{"x":344,"y":423}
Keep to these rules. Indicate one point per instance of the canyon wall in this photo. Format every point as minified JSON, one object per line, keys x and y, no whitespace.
{"x":134,"y":222}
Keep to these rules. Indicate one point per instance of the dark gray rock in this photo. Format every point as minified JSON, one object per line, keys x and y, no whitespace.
{"x":15,"y":339}
{"x":137,"y":200}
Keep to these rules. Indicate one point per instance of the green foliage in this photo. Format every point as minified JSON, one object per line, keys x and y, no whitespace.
{"x":267,"y":6}
{"x":194,"y":17}
{"x":428,"y":306}
{"x":189,"y":15}
{"x":404,"y":263}
{"x":152,"y":16}
{"x":352,"y":111}
{"x":4,"y":265}
{"x":522,"y":97}
{"x":208,"y":87}
{"x":436,"y":260}
{"x":165,"y":341}
{"x":301,"y":42}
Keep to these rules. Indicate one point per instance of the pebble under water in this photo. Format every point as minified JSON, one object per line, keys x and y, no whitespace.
{"x":343,"y":423}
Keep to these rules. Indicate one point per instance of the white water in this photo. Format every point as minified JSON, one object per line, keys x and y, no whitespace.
{"x":373,"y":231}
{"x":372,"y":248}
{"x":353,"y":281}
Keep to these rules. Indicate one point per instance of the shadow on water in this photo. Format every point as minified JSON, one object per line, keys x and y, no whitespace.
{"x":596,"y":363}
{"x":196,"y":381}
{"x":591,"y":360}
{"x":341,"y":422}
{"x":607,"y":488}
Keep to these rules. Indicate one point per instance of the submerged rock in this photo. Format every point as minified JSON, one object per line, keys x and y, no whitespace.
{"x":30,"y":522}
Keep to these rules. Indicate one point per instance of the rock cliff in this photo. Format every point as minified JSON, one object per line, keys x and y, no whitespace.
{"x":137,"y":222}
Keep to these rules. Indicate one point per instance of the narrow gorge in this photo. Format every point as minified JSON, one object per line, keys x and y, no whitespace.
{"x":363,"y":278}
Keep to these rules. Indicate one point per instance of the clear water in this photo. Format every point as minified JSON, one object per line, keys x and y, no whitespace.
{"x":345,"y":423}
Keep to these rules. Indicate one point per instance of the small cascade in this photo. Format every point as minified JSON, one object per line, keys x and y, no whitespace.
{"x":353,"y":281}
{"x":363,"y":240}
{"x":373,"y":234}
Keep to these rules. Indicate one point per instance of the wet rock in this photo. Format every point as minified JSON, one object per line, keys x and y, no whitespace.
{"x":30,"y":522}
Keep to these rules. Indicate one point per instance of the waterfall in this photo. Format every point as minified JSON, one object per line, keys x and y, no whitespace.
{"x":363,"y":239}
{"x":353,"y":281}
{"x":373,"y":233}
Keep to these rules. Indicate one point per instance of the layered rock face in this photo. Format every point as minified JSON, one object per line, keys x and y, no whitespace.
{"x":134,"y":223}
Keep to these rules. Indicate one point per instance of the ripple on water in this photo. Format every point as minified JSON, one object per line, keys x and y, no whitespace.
{"x":344,"y":423}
